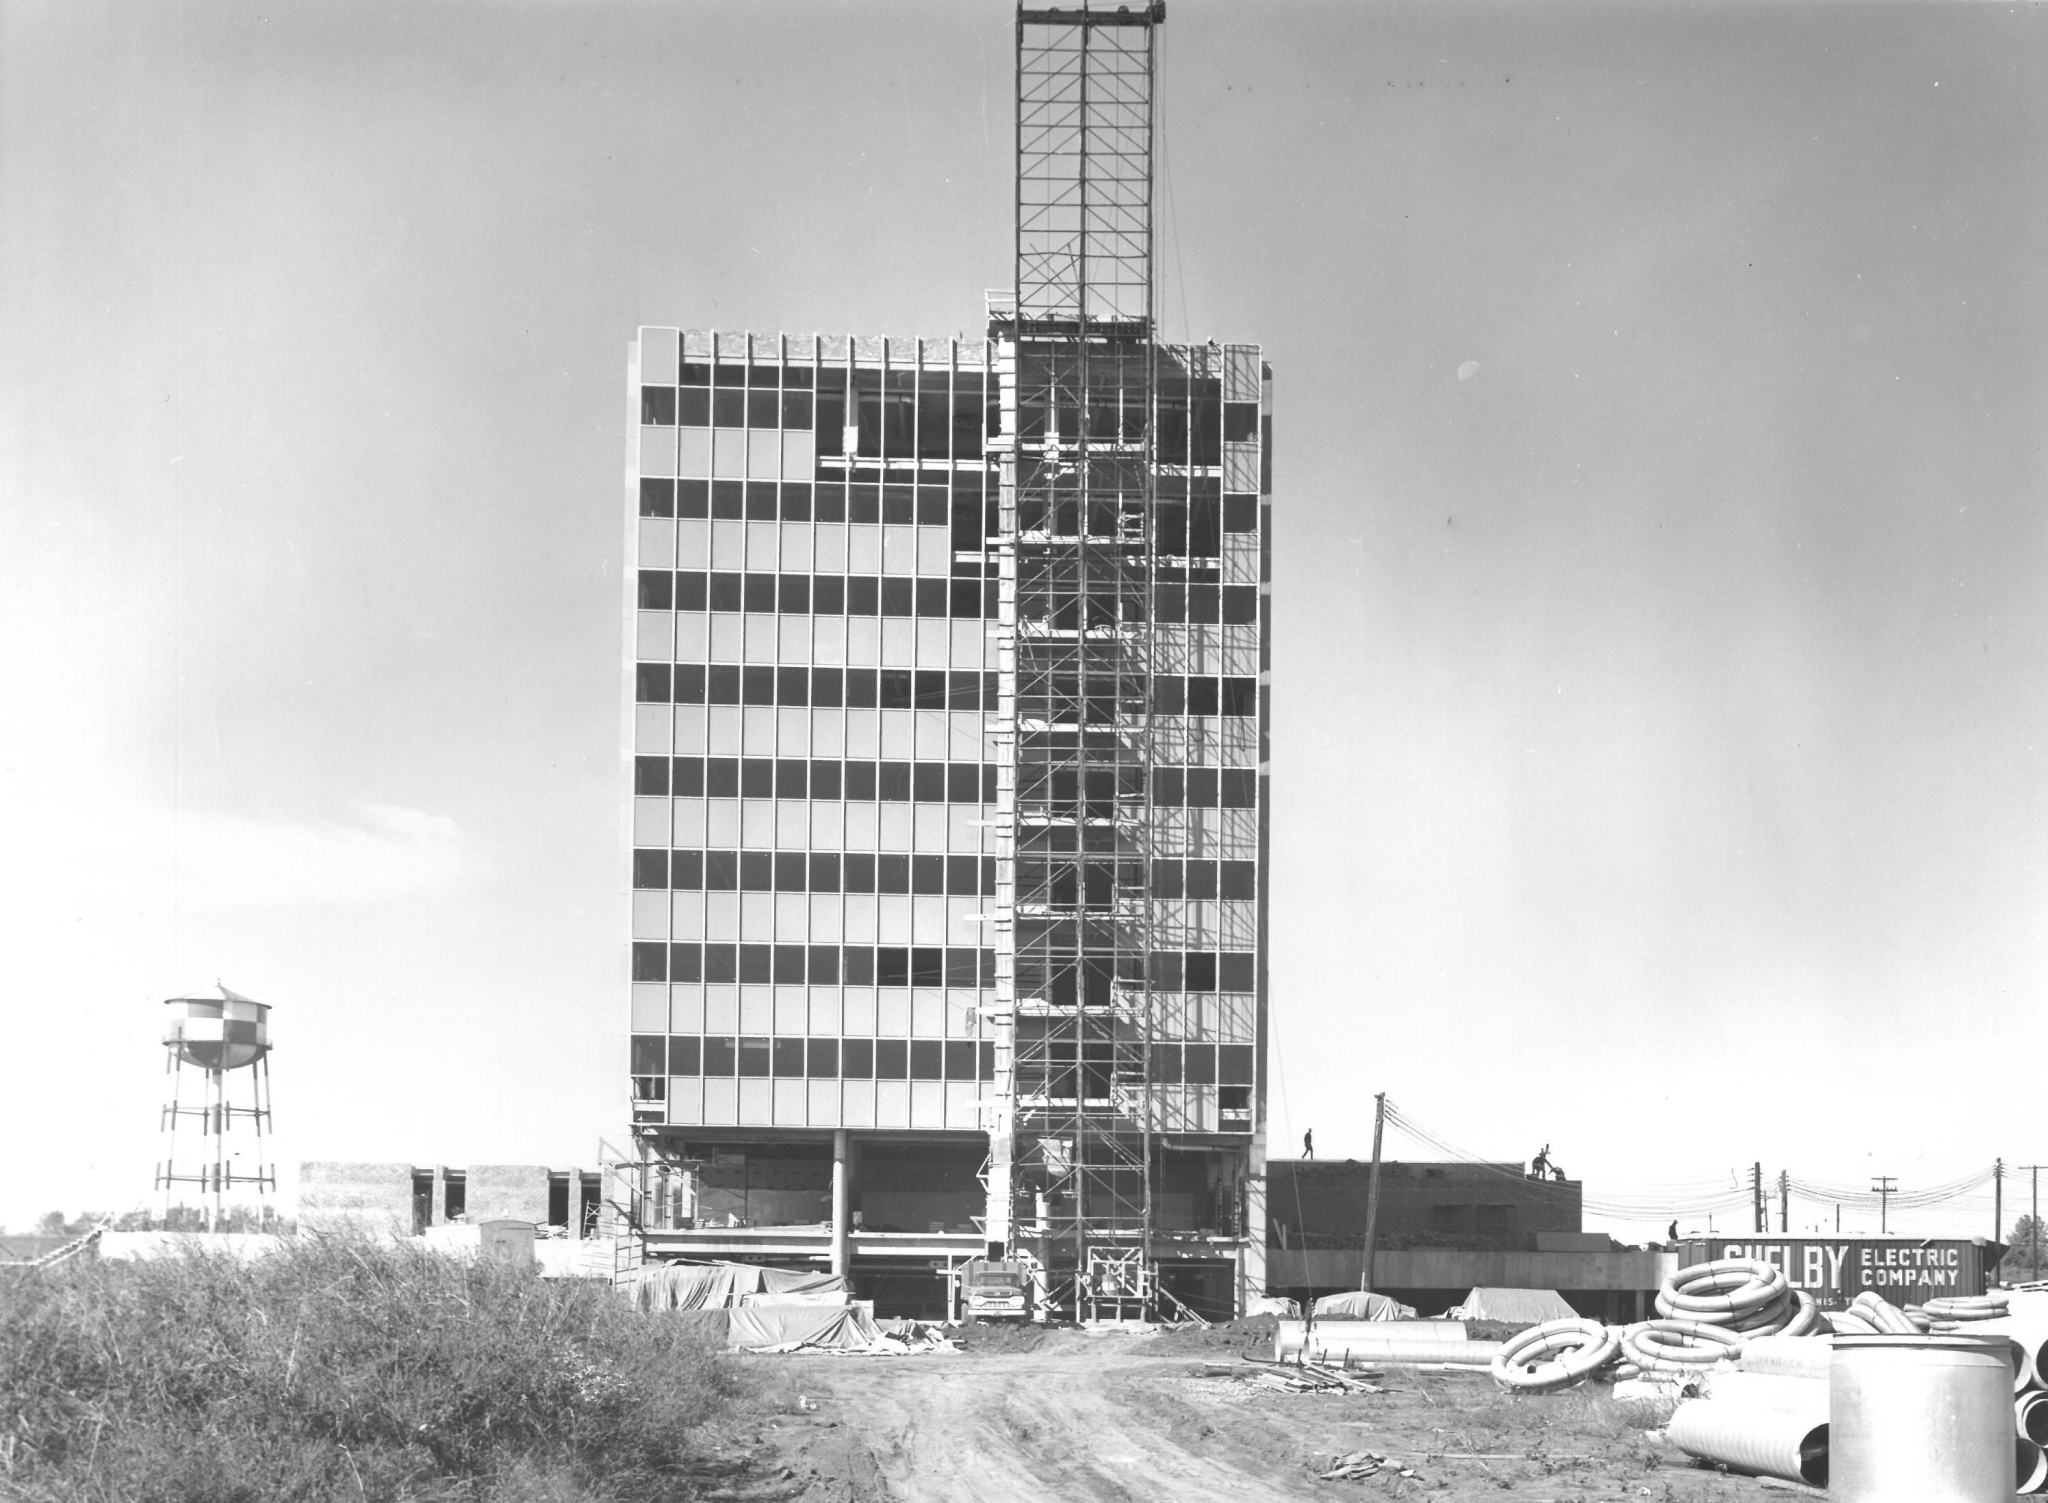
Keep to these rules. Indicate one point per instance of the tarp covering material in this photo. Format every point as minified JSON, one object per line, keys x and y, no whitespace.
{"x":770,"y":1327}
{"x":715,"y":1286}
{"x":1357,"y":1304}
{"x":1523,"y":1306}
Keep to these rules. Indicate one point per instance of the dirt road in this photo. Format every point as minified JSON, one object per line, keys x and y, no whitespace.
{"x":1106,"y":1419}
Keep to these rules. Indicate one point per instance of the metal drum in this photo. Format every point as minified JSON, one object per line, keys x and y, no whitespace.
{"x":1920,"y":1419}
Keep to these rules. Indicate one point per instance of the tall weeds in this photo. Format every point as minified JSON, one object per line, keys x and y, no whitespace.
{"x":341,"y":1369}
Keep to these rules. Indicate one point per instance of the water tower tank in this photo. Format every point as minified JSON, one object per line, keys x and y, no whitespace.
{"x":217,"y":1033}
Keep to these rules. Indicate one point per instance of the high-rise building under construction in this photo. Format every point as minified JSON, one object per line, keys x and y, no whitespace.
{"x":949,"y":683}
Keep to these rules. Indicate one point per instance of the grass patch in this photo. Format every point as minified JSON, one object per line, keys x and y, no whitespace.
{"x":342,"y":1369}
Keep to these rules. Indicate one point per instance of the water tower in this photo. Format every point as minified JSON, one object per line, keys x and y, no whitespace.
{"x":218,"y":1038}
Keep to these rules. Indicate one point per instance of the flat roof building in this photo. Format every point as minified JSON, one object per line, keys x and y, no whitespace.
{"x":949,"y":709}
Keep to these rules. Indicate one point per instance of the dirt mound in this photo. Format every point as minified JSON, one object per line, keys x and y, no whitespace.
{"x":1253,"y":1333}
{"x":987,"y":1337}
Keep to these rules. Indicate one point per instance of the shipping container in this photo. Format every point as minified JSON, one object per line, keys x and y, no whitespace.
{"x":1834,"y":1270}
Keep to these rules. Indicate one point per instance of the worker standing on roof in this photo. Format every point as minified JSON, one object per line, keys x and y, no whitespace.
{"x":1308,"y":1144}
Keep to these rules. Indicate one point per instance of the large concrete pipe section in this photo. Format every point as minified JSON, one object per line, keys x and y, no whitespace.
{"x":2030,"y":1334}
{"x":1787,"y":1356}
{"x":1769,"y":1442}
{"x":1920,"y":1419}
{"x":2030,"y":1466}
{"x":2030,"y":1415}
{"x":1396,"y":1343}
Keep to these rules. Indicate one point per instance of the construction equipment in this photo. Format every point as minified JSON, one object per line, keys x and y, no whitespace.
{"x":997,"y":1289}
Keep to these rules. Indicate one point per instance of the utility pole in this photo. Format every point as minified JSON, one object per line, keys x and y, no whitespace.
{"x":1997,"y":1199}
{"x":1756,"y":1198}
{"x":2034,"y":1224}
{"x":1372,"y":1191}
{"x":1784,"y":1202}
{"x":1886,"y":1187}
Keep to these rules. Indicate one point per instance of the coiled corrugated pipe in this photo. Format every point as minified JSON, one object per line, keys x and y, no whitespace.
{"x":1968,"y":1307}
{"x":1882,"y":1313}
{"x":1772,"y":1443}
{"x":1666,"y":1346}
{"x":1725,"y":1287}
{"x":1555,"y":1354}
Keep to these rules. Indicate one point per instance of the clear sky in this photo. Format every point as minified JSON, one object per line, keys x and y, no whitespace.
{"x":1659,"y":671}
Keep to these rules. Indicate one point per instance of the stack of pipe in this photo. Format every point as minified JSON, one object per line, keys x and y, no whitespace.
{"x":1710,"y":1310}
{"x":2029,"y":1338}
{"x":1873,"y":1315}
{"x":1556,"y":1354}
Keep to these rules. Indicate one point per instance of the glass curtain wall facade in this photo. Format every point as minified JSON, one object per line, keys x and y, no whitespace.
{"x":827,"y":855}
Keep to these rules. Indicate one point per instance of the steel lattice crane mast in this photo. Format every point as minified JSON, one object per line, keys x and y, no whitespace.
{"x":1072,"y":1120}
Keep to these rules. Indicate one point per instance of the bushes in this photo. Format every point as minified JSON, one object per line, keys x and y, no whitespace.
{"x":344,"y":1369}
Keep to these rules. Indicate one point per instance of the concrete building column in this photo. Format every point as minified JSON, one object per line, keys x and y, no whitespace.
{"x":842,"y":1215}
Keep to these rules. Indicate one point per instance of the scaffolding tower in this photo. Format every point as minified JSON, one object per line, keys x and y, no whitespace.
{"x":1077,"y":366}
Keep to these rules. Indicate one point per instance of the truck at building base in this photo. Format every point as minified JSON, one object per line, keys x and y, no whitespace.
{"x":993,"y":1289}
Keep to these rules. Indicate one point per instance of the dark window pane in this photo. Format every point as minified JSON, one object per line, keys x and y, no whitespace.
{"x":757,"y":684}
{"x":658,"y":406}
{"x":787,"y":1058}
{"x":1240,"y":421}
{"x":892,"y":1059}
{"x":790,"y":877}
{"x":651,"y":683}
{"x":857,"y":1059}
{"x":722,"y":684}
{"x":692,"y":590}
{"x":1169,"y":787}
{"x":892,"y":964}
{"x":792,"y":686}
{"x":1205,"y":604}
{"x":960,"y":1059}
{"x":757,"y":777}
{"x":931,"y":597}
{"x":1201,"y":879}
{"x":864,"y":504}
{"x":988,"y":783}
{"x":821,"y":1058}
{"x":894,"y":782}
{"x":725,"y":592}
{"x":828,"y":687}
{"x":895,"y":687}
{"x":754,"y":1057}
{"x":686,"y":963}
{"x":795,"y":504}
{"x":793,"y":594}
{"x":685,"y":1056}
{"x":1201,"y":787}
{"x":928,"y":782}
{"x":928,"y":874}
{"x":963,"y":876}
{"x":1166,"y":879}
{"x":693,"y":498}
{"x":721,"y":1056}
{"x":899,"y":596}
{"x":859,"y":964}
{"x":892,"y":873}
{"x":728,"y":409}
{"x":722,"y":777}
{"x":829,"y":501}
{"x":1234,"y":1064}
{"x":963,"y":782}
{"x":1240,"y":605}
{"x":861,"y":786}
{"x":899,"y":505}
{"x":650,"y":775}
{"x":828,"y":596}
{"x":1204,"y":698}
{"x":796,"y":409}
{"x":860,"y":873}
{"x":1240,"y":513}
{"x":764,"y":409}
{"x":757,"y":872}
{"x":927,"y":1059}
{"x":650,"y":869}
{"x":823,"y":965}
{"x":1166,"y":970}
{"x":1240,"y":788}
{"x":1239,"y":971}
{"x":761,"y":501}
{"x":721,"y":871}
{"x":650,"y":961}
{"x":693,"y":407}
{"x":686,"y":870}
{"x":1201,"y":971}
{"x":824,"y":872}
{"x":1199,"y":1064}
{"x":1240,"y":879}
{"x":758,"y":593}
{"x":825,"y":780}
{"x":756,"y":965}
{"x":728,"y":500}
{"x":863,"y":597}
{"x":657,"y":498}
{"x":792,"y":779}
{"x":1240,"y":696}
{"x":721,"y":962}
